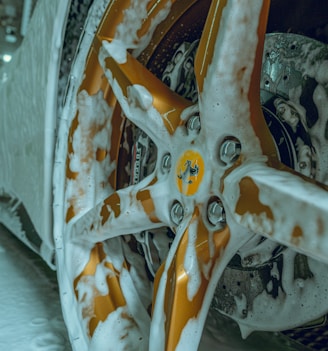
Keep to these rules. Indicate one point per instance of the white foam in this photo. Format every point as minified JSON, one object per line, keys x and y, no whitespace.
{"x":191,"y":264}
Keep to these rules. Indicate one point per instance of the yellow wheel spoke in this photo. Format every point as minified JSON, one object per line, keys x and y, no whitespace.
{"x":281,"y":205}
{"x":185,"y":280}
{"x":228,"y":69}
{"x":138,"y":89}
{"x":126,"y":211}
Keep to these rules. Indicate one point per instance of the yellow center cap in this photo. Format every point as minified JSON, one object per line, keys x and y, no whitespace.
{"x":189,"y":172}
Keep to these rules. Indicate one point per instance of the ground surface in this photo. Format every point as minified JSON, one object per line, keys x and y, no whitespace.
{"x":30,"y":314}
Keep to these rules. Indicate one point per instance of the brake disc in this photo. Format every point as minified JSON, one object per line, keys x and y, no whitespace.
{"x":265,"y":282}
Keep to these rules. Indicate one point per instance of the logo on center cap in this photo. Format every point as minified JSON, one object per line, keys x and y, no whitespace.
{"x":189,"y":170}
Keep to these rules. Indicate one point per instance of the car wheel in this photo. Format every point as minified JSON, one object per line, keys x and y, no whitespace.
{"x":169,"y":178}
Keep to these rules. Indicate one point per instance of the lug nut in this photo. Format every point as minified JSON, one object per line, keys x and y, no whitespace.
{"x":216,"y":213}
{"x":166,"y":163}
{"x":230,"y":150}
{"x":193,"y":124}
{"x":177,"y":213}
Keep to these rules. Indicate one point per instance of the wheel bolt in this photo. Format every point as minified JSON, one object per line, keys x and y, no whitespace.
{"x":216,"y":213}
{"x":177,"y":213}
{"x":193,"y":124}
{"x":166,"y":163}
{"x":230,"y":150}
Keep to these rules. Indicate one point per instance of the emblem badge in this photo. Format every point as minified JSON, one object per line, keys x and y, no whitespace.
{"x":189,"y":170}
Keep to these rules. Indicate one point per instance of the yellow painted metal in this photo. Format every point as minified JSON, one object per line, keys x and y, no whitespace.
{"x":147,"y":202}
{"x":205,"y":51}
{"x":102,"y":305}
{"x":178,"y":308}
{"x":248,"y":190}
{"x":167,"y":103}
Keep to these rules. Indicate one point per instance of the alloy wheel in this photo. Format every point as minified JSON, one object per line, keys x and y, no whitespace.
{"x":214,"y":179}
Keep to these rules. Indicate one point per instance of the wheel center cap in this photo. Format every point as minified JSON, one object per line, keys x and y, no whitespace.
{"x":189,"y":171}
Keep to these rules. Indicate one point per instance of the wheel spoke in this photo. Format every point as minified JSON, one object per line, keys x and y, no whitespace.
{"x":126,"y":211}
{"x":106,"y":292}
{"x":183,"y":286}
{"x":131,"y":25}
{"x":145,"y":100}
{"x":205,"y":51}
{"x":281,"y":205}
{"x":228,"y":69}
